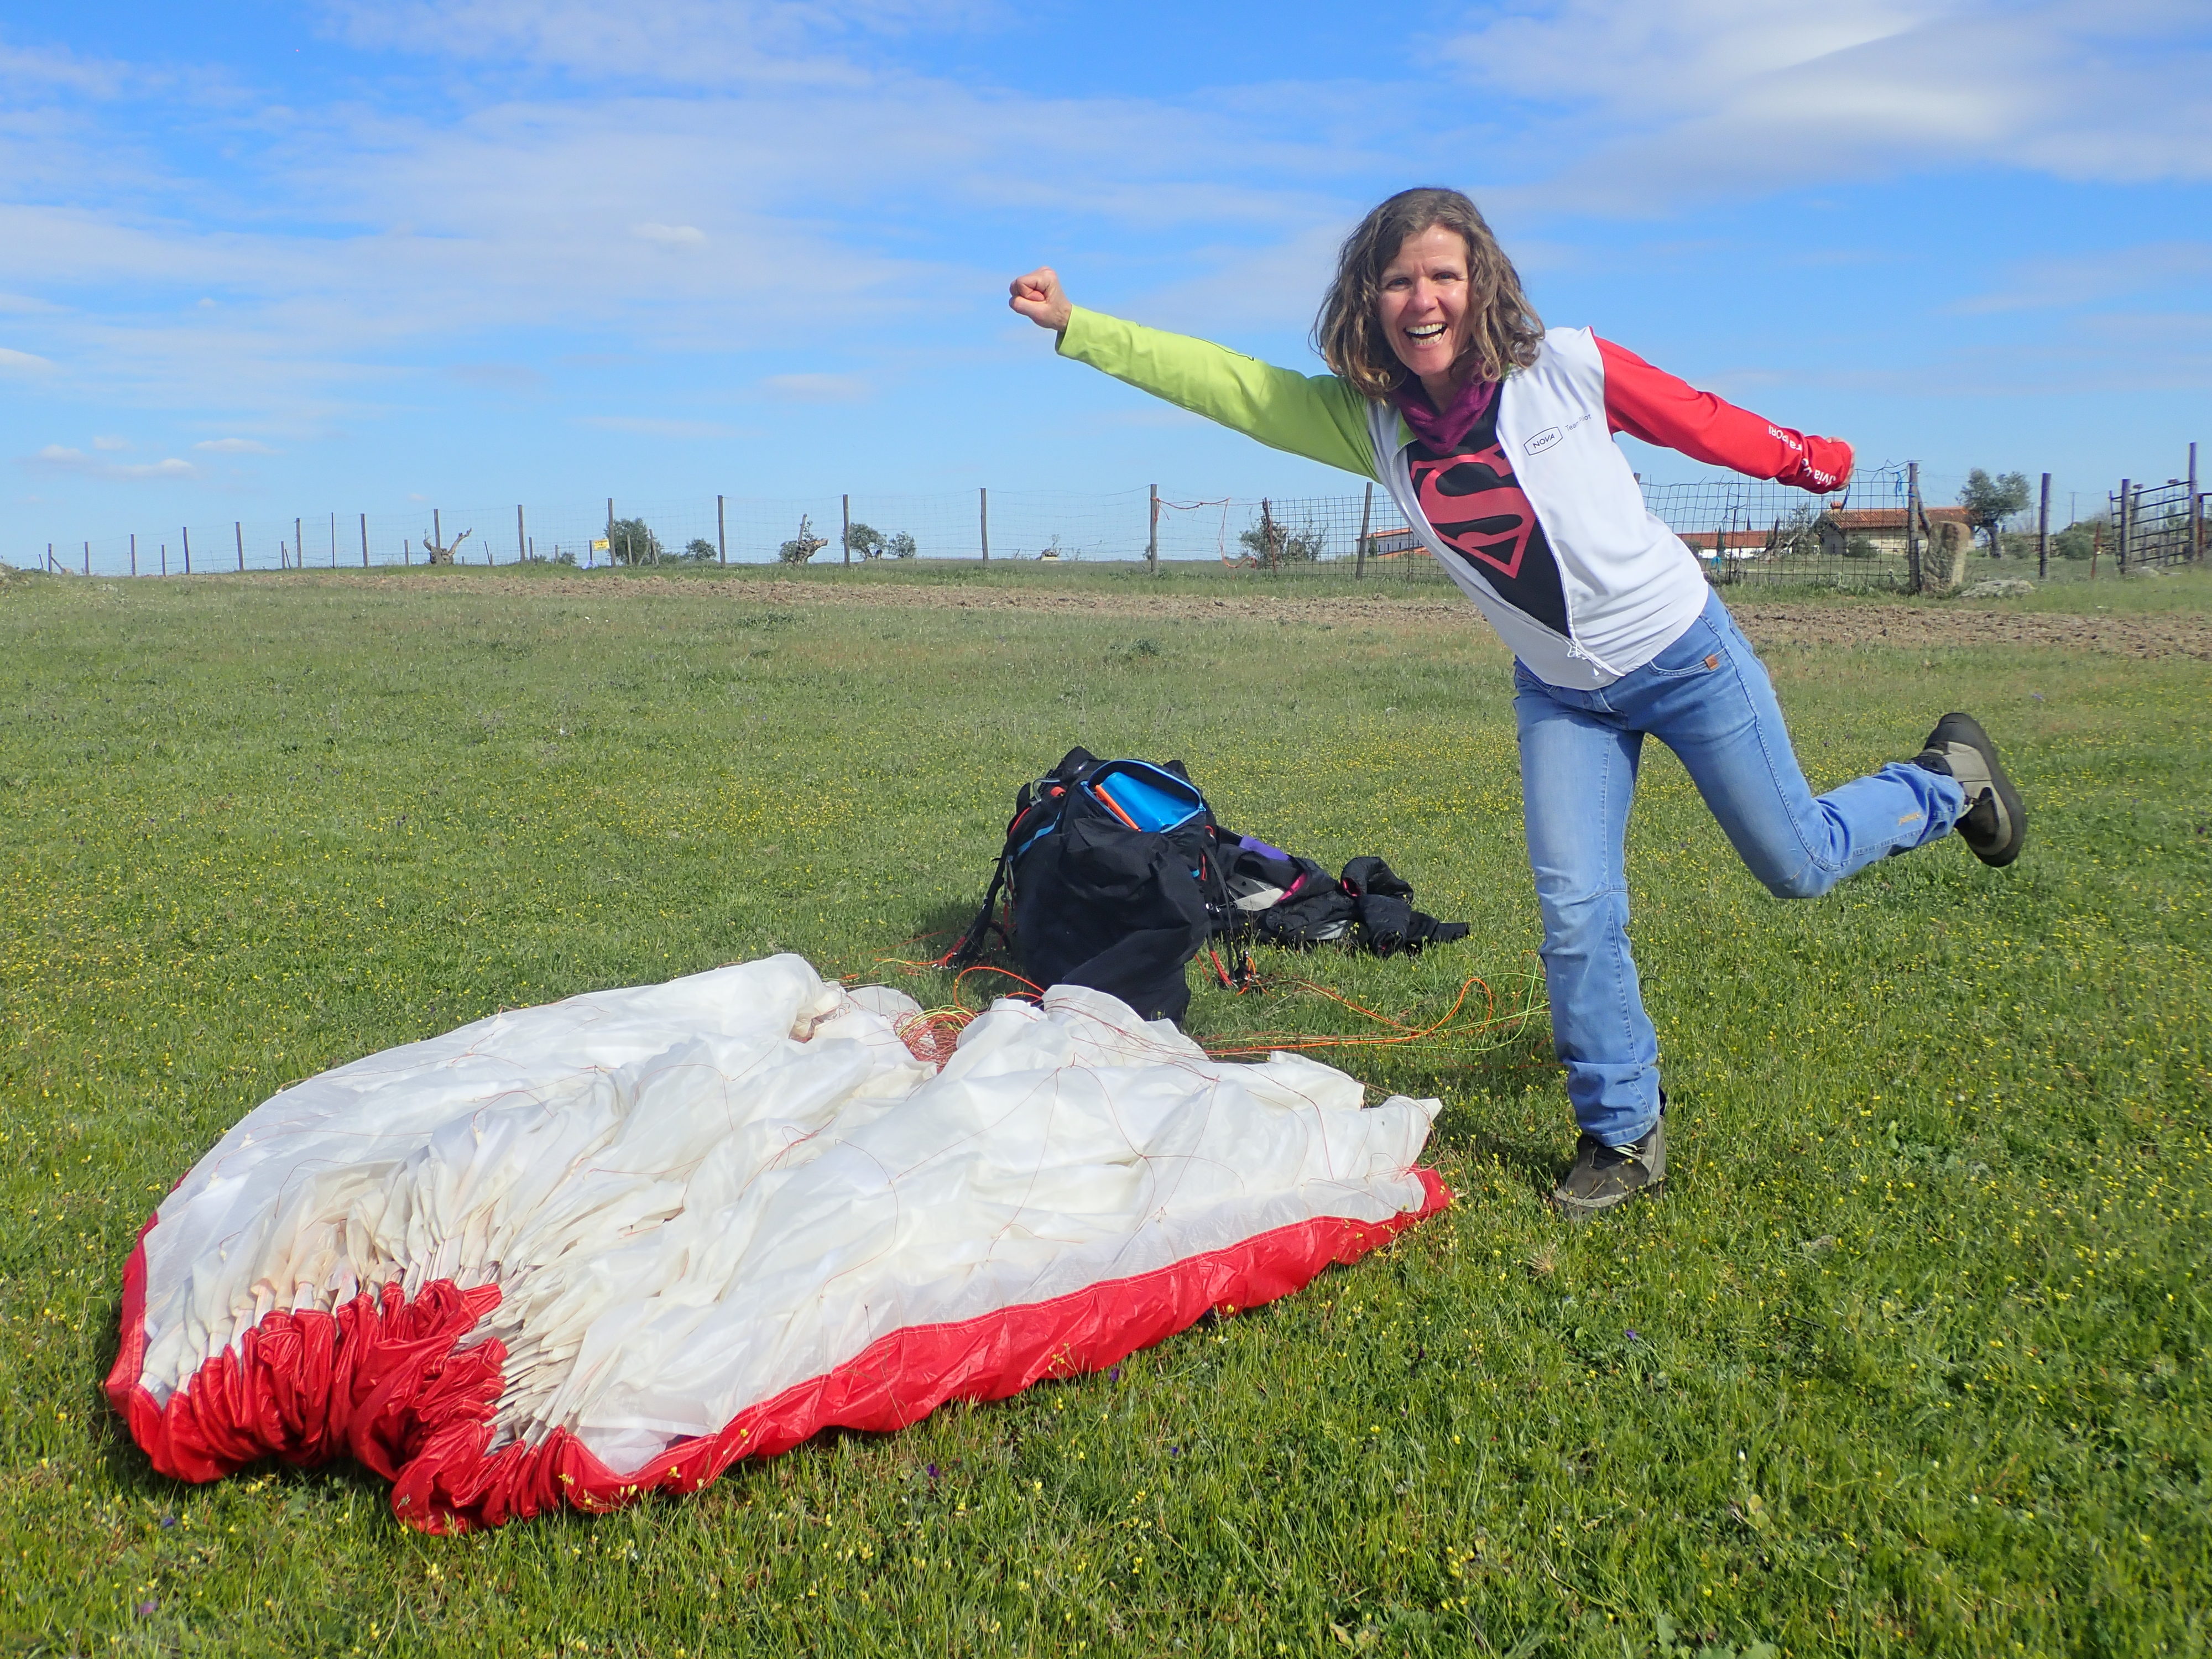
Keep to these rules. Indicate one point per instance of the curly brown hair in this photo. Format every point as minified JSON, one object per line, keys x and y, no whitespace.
{"x":1348,"y":333}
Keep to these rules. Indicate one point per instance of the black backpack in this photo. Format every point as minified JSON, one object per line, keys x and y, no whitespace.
{"x":1110,"y":880}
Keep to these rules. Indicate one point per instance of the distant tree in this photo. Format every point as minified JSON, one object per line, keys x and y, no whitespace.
{"x":864,"y":539}
{"x":1805,"y":529}
{"x":803,"y":546}
{"x":2078,"y":540}
{"x":629,"y":542}
{"x":700,"y":550}
{"x":444,"y":554}
{"x":1990,"y":501}
{"x":899,"y":544}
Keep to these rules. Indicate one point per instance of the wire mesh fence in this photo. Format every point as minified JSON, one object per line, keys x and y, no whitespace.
{"x":1740,"y":530}
{"x":964,"y":525}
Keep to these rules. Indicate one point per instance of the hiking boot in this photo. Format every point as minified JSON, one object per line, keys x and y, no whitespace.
{"x":1604,"y":1177}
{"x":1995,"y":822}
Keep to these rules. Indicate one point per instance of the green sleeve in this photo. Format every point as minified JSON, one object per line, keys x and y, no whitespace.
{"x":1318,"y":416}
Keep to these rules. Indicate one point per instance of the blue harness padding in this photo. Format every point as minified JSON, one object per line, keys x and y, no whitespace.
{"x":1147,"y":798}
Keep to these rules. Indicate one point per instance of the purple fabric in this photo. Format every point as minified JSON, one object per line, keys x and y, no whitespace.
{"x":1442,"y":433}
{"x":1250,"y":844}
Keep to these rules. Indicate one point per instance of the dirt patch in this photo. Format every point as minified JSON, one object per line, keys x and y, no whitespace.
{"x":1769,"y":624}
{"x":1920,"y":628}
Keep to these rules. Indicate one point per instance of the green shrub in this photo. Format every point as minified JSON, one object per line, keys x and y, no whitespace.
{"x":864,"y":539}
{"x":899,"y":544}
{"x":700,"y":550}
{"x":2076,"y":541}
{"x":629,"y":542}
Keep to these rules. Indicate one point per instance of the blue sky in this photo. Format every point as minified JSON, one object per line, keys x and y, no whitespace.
{"x":268,"y":260}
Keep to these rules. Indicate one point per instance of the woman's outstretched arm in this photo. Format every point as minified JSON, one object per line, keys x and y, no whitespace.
{"x":1317,"y":416}
{"x":1649,"y":404}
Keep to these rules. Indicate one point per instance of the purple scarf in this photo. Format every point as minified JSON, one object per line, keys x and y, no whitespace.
{"x":1443,"y":433}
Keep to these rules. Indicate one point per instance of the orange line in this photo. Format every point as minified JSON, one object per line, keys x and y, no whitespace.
{"x":1098,"y":793}
{"x":1291,"y":1042}
{"x":986,"y":968}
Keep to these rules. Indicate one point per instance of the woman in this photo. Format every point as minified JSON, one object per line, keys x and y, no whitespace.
{"x":1495,"y":439}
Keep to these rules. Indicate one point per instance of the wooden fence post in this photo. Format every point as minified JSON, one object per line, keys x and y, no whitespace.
{"x":188,"y":550}
{"x":238,"y":530}
{"x":1366,"y":517}
{"x":2043,"y":535}
{"x":1152,"y":530}
{"x":721,"y":534}
{"x":134,"y":552}
{"x":88,"y":558}
{"x":521,"y":540}
{"x":846,"y":538}
{"x":364,"y":541}
{"x":1912,"y":526}
{"x":299,"y":547}
{"x":2125,"y":525}
{"x":983,"y":508}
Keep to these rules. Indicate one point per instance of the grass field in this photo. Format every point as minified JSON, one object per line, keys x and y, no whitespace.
{"x":1911,"y":1358}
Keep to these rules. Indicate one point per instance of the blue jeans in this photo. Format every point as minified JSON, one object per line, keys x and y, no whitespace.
{"x":1706,"y":697}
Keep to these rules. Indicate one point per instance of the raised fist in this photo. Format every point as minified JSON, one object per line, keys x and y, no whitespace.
{"x":1039,"y":297}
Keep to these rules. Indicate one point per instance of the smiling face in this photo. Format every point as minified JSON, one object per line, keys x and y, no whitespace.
{"x":1422,"y":306}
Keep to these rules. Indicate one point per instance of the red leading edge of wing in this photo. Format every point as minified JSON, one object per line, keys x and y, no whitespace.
{"x":383,"y":1379}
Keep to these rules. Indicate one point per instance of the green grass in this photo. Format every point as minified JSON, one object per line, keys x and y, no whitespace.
{"x":1910,"y":1358}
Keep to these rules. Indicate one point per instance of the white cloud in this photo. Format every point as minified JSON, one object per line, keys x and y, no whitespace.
{"x":2091,"y":278}
{"x":233,"y":446}
{"x":55,"y":458}
{"x":770,"y":137}
{"x":1240,"y":289}
{"x":432,"y":229}
{"x":505,"y":377}
{"x":654,"y":427}
{"x":111,"y":444}
{"x":683,"y":42}
{"x":1650,"y":105}
{"x":817,"y":388}
{"x":30,"y":69}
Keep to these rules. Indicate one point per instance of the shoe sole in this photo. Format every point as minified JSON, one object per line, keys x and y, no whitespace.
{"x":2015,"y":810}
{"x":1578,"y":1211}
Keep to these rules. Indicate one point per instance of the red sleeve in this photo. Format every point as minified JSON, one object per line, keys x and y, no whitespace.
{"x":1651,"y":405}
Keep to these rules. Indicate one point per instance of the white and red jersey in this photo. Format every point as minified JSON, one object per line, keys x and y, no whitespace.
{"x":1537,"y":517}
